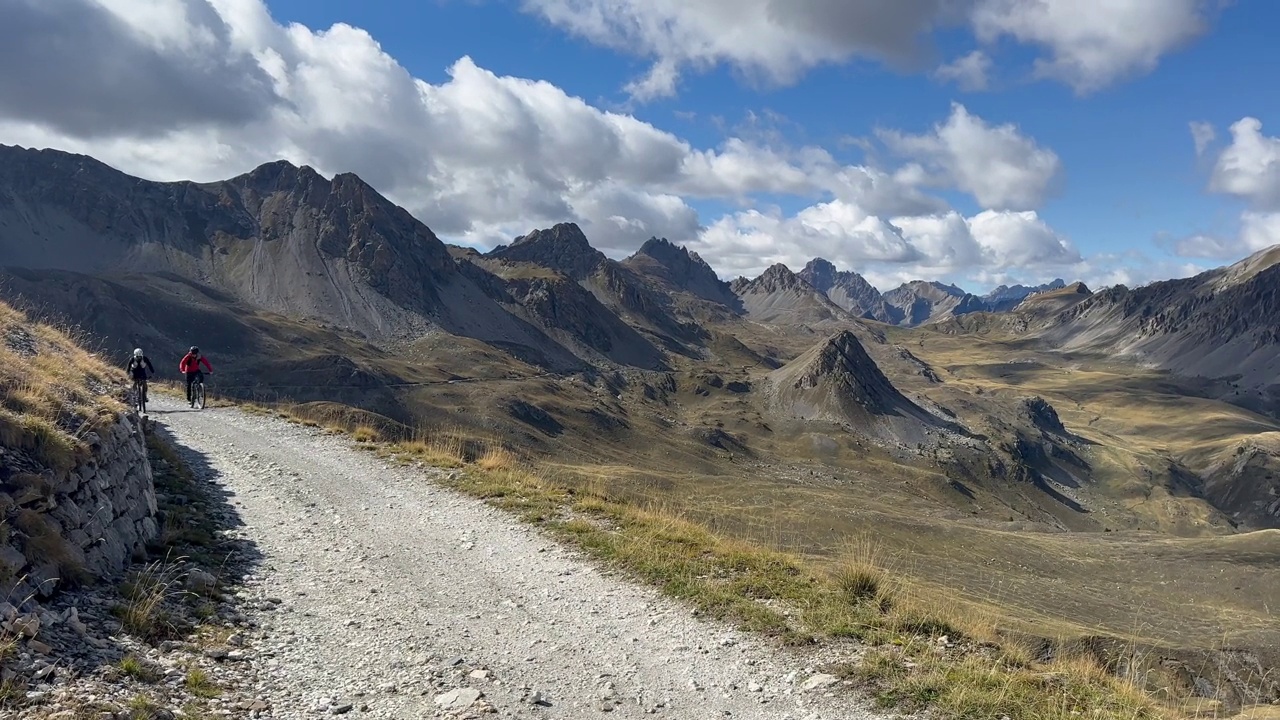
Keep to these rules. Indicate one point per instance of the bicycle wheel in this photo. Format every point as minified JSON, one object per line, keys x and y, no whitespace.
{"x":197,"y":392}
{"x":141,"y":399}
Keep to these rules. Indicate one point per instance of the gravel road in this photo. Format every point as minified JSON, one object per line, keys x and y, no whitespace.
{"x":396,"y":598}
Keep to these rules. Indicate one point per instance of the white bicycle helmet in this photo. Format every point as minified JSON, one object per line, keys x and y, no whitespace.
{"x":137,"y":352}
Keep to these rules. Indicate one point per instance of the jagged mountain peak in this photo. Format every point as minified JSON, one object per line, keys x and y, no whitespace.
{"x":778,"y":277}
{"x":681,"y":269}
{"x":841,"y":362}
{"x":820,"y":273}
{"x":562,"y":247}
{"x":848,"y":290}
{"x":926,"y":288}
{"x":675,"y":256}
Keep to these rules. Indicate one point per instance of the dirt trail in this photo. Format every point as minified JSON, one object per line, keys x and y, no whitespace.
{"x":402,"y":598}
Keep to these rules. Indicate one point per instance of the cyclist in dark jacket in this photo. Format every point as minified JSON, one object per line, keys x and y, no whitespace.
{"x":140,"y":368}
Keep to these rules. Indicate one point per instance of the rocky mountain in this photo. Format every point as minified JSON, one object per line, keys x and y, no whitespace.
{"x":849,"y":290}
{"x":1005,"y":298}
{"x":1224,"y":323}
{"x":280,"y":238}
{"x":679,"y":270}
{"x":1050,"y":302}
{"x":836,"y":381}
{"x":919,"y":302}
{"x":780,"y":296}
{"x":564,"y":248}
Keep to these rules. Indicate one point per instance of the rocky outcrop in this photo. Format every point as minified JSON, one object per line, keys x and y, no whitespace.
{"x":88,"y":522}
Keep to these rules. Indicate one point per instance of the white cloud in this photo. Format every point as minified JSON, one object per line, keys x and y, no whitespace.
{"x":1257,"y":231}
{"x":1090,"y":44}
{"x":1094,"y":43}
{"x":969,"y":72}
{"x":930,"y":245}
{"x":1249,"y":167}
{"x":1203,"y":134}
{"x":996,"y":164}
{"x":482,"y":157}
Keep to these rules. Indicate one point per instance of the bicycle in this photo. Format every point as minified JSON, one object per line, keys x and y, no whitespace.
{"x":138,"y":401}
{"x":197,"y":393}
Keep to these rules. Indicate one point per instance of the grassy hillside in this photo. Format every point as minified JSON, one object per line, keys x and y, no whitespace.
{"x":52,"y":391}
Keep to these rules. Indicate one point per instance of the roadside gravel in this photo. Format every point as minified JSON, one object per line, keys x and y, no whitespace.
{"x":392,"y":597}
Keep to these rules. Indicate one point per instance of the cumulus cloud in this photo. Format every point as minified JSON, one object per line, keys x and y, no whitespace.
{"x":998,"y":165}
{"x":1249,"y":167}
{"x":1094,"y":43}
{"x":1088,"y":44}
{"x":83,"y":69}
{"x":968,"y":72}
{"x":482,"y":158}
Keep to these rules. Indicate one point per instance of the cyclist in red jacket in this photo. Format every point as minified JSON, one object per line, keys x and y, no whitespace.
{"x":190,"y":366}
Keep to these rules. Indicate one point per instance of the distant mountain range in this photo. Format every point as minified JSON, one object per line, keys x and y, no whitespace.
{"x":913,"y":303}
{"x":322,"y":289}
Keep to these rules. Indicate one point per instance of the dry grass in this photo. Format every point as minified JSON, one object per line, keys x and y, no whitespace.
{"x":145,"y":594}
{"x":52,"y":392}
{"x":365,"y":434}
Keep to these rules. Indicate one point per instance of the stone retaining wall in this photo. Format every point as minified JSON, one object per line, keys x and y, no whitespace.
{"x":88,"y":523}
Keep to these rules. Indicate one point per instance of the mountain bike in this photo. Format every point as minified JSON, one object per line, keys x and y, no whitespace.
{"x":197,"y":393}
{"x":138,"y":401}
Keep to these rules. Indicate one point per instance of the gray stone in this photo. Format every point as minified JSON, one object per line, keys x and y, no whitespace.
{"x":821,"y":680}
{"x":459,"y":699}
{"x":12,"y":559}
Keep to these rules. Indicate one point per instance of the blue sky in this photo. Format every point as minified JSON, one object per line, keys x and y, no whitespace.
{"x":1084,"y":169}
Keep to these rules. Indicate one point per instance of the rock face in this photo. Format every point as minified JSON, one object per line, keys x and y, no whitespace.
{"x":849,"y":290}
{"x":93,"y":519}
{"x":577,"y":319}
{"x":920,"y":302}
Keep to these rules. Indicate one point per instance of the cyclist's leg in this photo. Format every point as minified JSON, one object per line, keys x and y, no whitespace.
{"x":191,"y":378}
{"x":143,"y":387}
